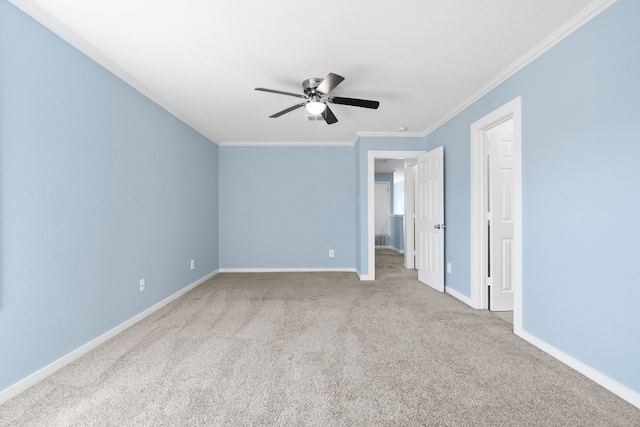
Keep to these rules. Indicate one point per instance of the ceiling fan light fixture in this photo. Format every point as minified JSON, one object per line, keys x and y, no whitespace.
{"x":315,"y":107}
{"x":317,"y":99}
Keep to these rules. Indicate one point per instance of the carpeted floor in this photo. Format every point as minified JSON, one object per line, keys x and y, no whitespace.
{"x":318,"y":349}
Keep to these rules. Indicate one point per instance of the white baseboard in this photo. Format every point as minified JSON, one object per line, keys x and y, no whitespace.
{"x":465,"y":299}
{"x":610,"y":384}
{"x":365,"y":277}
{"x":390,"y":248}
{"x":395,"y":249}
{"x":287,"y":270}
{"x":17,"y":388}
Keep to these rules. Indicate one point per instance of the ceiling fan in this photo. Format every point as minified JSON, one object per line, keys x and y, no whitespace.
{"x":316,"y":95}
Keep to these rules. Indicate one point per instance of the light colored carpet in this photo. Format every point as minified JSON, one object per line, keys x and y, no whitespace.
{"x":318,"y":349}
{"x":507,"y":316}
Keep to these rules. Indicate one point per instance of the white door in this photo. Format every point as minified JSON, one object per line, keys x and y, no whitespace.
{"x":382,"y":216}
{"x":500,"y":217}
{"x":409,"y":216}
{"x":430,"y":219}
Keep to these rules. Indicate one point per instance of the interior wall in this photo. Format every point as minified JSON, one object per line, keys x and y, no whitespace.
{"x":580,"y":127}
{"x":285,"y":207}
{"x":99,"y":188}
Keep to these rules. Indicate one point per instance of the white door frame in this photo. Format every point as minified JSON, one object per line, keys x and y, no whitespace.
{"x":371,"y":244}
{"x":511,"y":110}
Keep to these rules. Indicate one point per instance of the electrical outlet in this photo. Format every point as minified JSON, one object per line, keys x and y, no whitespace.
{"x":331,"y":253}
{"x":143,"y":285}
{"x":193,"y":264}
{"x":448,"y":267}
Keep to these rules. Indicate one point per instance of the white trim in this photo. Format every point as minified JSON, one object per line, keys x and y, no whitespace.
{"x":371,"y":156}
{"x":390,"y":134}
{"x":288,"y":270}
{"x":391,"y":248}
{"x":286,"y":144}
{"x":511,"y":110}
{"x":365,"y":277}
{"x":17,"y":388}
{"x":584,"y":16}
{"x":465,"y":299}
{"x":49,"y":21}
{"x":609,"y":383}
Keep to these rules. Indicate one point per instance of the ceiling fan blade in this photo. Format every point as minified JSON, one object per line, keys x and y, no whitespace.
{"x":328,"y":116}
{"x":365,"y":103}
{"x":329,"y":83}
{"x":295,"y":107}
{"x":281,"y":92}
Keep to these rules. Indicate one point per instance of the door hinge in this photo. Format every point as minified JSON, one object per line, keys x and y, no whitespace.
{"x":489,"y":216}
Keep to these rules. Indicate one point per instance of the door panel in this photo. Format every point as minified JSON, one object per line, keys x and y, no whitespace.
{"x":506,"y":284}
{"x":430,"y":218}
{"x":501,"y":194}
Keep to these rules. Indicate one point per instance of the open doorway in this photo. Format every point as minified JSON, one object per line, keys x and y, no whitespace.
{"x":496,"y":212}
{"x":372,"y":157}
{"x":389,"y":204}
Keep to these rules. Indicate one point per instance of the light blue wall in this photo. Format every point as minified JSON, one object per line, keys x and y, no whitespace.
{"x":285,"y":207}
{"x":581,"y":199}
{"x":396,"y":240}
{"x":363,"y":146}
{"x":99,"y":187}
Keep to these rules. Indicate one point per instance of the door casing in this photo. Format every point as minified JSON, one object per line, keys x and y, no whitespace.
{"x":511,"y":110}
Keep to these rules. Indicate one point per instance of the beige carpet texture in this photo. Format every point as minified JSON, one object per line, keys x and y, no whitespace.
{"x":318,"y":349}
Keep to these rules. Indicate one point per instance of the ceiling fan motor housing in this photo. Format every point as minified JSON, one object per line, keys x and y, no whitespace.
{"x":309,"y":86}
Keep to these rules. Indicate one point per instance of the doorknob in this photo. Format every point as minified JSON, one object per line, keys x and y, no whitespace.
{"x":439,"y":226}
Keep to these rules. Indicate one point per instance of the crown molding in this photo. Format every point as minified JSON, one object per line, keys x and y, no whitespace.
{"x":390,"y":134}
{"x":584,"y":16}
{"x":285,"y":144}
{"x":39,"y":14}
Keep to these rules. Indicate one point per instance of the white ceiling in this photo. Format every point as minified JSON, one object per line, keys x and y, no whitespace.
{"x":202,"y":59}
{"x":388,"y":165}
